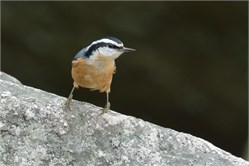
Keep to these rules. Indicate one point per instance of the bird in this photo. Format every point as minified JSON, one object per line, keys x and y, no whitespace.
{"x":93,"y":67}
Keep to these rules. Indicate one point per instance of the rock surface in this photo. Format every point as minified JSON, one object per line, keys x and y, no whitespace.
{"x":36,"y":129}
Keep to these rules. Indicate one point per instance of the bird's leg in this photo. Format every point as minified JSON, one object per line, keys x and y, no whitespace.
{"x":108,"y":104}
{"x":69,"y":99}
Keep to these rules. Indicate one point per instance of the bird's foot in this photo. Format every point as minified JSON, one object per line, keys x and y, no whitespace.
{"x":106,"y":108}
{"x":68,"y":102}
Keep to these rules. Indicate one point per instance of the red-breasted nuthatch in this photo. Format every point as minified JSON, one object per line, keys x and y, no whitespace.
{"x":94,"y":66}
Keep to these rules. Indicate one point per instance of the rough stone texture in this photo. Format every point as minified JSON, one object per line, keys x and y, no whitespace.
{"x":37,"y":130}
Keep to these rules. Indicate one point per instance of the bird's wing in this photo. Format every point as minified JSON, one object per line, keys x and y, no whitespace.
{"x":80,"y":54}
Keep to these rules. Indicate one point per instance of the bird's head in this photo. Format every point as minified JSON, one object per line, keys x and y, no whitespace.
{"x":109,"y":47}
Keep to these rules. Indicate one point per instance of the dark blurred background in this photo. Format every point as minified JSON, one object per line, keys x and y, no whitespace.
{"x":189,"y":72}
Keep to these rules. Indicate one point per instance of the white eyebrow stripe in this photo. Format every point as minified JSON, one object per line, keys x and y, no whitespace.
{"x":107,"y":41}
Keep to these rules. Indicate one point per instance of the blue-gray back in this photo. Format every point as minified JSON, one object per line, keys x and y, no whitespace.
{"x":81,"y":54}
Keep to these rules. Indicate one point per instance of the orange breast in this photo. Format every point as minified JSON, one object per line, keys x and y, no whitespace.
{"x":96,"y":75}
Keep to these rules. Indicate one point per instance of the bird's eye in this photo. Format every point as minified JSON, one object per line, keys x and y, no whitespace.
{"x":110,"y":46}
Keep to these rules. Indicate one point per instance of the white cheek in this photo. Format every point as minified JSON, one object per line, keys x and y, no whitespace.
{"x":106,"y":51}
{"x":109,"y":52}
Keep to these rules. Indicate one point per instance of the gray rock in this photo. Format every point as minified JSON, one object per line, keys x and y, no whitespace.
{"x":36,"y":129}
{"x":6,"y":77}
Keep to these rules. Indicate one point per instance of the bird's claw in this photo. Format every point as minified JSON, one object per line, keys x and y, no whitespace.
{"x":68,"y":102}
{"x":106,"y":108}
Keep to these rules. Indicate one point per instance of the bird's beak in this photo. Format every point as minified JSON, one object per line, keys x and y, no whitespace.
{"x":125,"y":49}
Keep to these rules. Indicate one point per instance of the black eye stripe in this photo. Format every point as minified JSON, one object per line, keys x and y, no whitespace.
{"x":98,"y":45}
{"x":113,"y":46}
{"x":110,"y":46}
